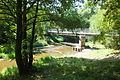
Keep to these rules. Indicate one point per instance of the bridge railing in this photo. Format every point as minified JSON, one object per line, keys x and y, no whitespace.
{"x":82,"y":32}
{"x":79,"y":30}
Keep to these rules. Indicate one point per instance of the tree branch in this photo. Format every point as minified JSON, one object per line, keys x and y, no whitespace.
{"x":38,"y":21}
{"x":8,"y":9}
{"x":6,"y":13}
{"x":37,"y":15}
{"x":27,"y":10}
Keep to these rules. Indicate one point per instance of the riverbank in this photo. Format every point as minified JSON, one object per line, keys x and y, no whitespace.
{"x":64,"y":50}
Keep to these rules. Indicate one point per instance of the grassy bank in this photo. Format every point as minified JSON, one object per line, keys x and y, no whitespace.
{"x":69,"y":69}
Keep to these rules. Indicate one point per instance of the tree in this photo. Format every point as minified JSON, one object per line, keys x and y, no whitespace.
{"x":108,"y":21}
{"x":69,"y":20}
{"x":18,"y":49}
{"x":19,"y":12}
{"x":6,"y":20}
{"x":23,"y":14}
{"x":32,"y":39}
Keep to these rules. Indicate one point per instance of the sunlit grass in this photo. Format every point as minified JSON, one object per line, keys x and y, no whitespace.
{"x":96,"y":45}
{"x":100,"y":53}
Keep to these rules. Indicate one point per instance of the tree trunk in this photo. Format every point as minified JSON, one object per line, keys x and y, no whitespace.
{"x":25,"y":54}
{"x":32,"y":39}
{"x":18,"y":54}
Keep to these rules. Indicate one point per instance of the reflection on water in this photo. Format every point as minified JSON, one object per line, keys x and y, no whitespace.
{"x":55,"y":52}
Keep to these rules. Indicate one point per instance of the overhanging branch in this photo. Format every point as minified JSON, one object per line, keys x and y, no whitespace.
{"x":38,"y":21}
{"x":37,"y":15}
{"x":31,"y":5}
{"x":8,"y":9}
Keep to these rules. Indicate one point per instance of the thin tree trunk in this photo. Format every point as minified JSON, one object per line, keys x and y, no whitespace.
{"x":32,"y":39}
{"x":25,"y":54}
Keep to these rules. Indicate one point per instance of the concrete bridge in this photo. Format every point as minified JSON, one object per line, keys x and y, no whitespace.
{"x":81,"y":43}
{"x":81,"y":35}
{"x":74,"y":33}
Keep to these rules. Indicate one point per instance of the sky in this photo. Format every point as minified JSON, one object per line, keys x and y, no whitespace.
{"x":80,"y":4}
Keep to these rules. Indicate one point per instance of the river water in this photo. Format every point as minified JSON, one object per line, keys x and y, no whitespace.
{"x":54,"y":51}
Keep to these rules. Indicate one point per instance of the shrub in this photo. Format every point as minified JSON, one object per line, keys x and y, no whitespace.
{"x":40,"y":43}
{"x":7,"y":56}
{"x":47,"y":59}
{"x":10,"y":56}
{"x":2,"y":55}
{"x":74,"y":39}
{"x":56,"y":38}
{"x":9,"y":74}
{"x":7,"y":48}
{"x":10,"y":71}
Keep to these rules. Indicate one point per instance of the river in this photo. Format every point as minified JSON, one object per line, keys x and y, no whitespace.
{"x":54,"y":51}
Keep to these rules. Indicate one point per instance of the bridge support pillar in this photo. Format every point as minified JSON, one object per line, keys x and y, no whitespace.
{"x":82,"y":41}
{"x":81,"y":44}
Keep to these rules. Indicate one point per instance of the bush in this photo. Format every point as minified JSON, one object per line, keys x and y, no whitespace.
{"x":9,"y":74}
{"x":73,"y":39}
{"x":7,"y":48}
{"x":112,"y":42}
{"x":10,"y":71}
{"x":40,"y":43}
{"x":10,"y":56}
{"x":60,"y":38}
{"x":7,"y":56}
{"x":2,"y":55}
{"x":47,"y":59}
{"x":7,"y":51}
{"x":56,"y":38}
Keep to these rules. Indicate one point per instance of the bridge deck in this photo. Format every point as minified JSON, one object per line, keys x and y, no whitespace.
{"x":80,"y":34}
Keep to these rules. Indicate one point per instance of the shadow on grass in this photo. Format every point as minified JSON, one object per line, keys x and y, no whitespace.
{"x":72,"y":69}
{"x":93,"y":48}
{"x":40,"y":52}
{"x":116,"y":53}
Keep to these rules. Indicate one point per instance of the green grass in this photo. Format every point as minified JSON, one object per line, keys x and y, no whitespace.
{"x":98,"y":50}
{"x":100,"y":53}
{"x":96,"y":45}
{"x":70,"y":69}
